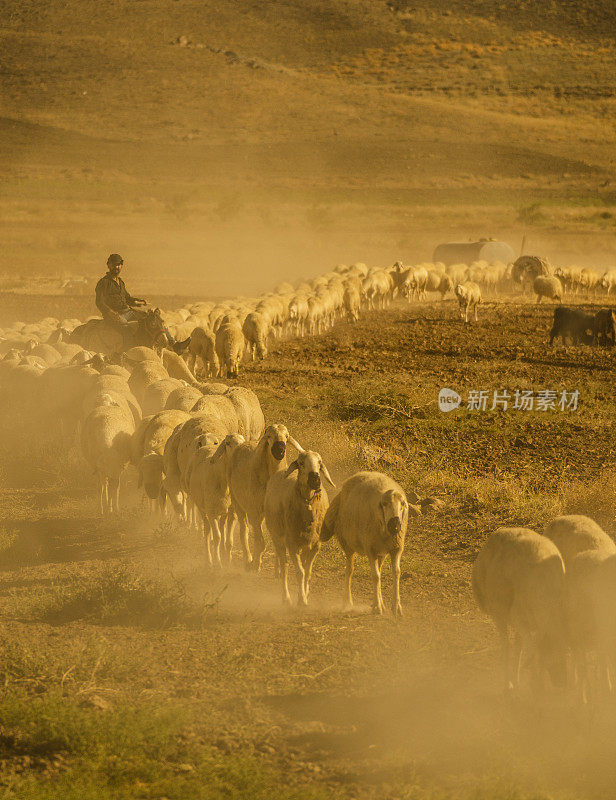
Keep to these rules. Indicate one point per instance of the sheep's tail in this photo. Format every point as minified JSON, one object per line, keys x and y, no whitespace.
{"x":329,"y":521}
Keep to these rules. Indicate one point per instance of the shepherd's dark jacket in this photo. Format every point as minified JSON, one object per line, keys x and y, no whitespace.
{"x":111,"y":295}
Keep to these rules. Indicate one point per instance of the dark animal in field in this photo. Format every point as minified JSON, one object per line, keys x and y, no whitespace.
{"x":604,"y":327}
{"x":572,"y":323}
{"x":580,"y":327}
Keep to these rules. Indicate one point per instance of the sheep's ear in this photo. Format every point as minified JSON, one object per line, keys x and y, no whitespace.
{"x":219,"y":451}
{"x":327,"y":476}
{"x":296,"y":444}
{"x":291,"y":468}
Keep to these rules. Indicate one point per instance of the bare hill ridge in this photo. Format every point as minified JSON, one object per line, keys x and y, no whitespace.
{"x":197,"y":113}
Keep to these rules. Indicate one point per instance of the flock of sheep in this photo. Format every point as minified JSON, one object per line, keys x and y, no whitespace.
{"x":204,"y":449}
{"x":557,"y":592}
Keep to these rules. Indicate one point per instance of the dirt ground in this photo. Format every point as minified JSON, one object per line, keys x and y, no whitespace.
{"x":207,"y":687}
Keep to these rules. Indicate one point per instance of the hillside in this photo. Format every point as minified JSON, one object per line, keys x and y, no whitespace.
{"x":232,"y":143}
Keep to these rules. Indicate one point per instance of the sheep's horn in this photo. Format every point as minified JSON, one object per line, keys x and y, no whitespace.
{"x":296,"y":444}
{"x":327,"y":476}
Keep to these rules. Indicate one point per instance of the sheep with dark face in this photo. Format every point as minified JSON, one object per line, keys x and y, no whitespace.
{"x":249,"y":470}
{"x":295,"y":506}
{"x":369,"y":516}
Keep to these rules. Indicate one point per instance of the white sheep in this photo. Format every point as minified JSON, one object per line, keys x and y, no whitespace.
{"x":575,"y":533}
{"x":519,"y":580}
{"x":469,"y":297}
{"x":256,"y":330}
{"x":438,"y":282}
{"x":156,"y":394}
{"x":590,"y":280}
{"x":229,"y":348}
{"x":183,"y":398}
{"x":202,"y":346}
{"x":150,"y":472}
{"x":294,"y":510}
{"x":210,"y":493}
{"x":585,"y":547}
{"x":172,"y":479}
{"x":143,"y":374}
{"x":298,"y":313}
{"x":249,"y":470}
{"x":548,"y":286}
{"x":105,"y":442}
{"x":369,"y":516}
{"x":608,"y":281}
{"x":153,"y":432}
{"x":196,"y":432}
{"x":221,"y":407}
{"x":248,"y":411}
{"x":352,"y":302}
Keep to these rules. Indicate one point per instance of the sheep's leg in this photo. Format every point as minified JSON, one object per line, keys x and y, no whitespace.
{"x":228,"y":528}
{"x":350,"y":568}
{"x":605,"y":673}
{"x":516,"y":659}
{"x":194,"y":518}
{"x":101,"y":493}
{"x":207,"y":529}
{"x":257,"y":526}
{"x":376,"y":579}
{"x":581,"y":662}
{"x":283,"y":567}
{"x":244,"y":540}
{"x":309,"y":556}
{"x":113,"y":500}
{"x":503,"y":631}
{"x":396,"y":606}
{"x":475,"y":312}
{"x":302,"y":600}
{"x":162,"y":502}
{"x":217,"y":535}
